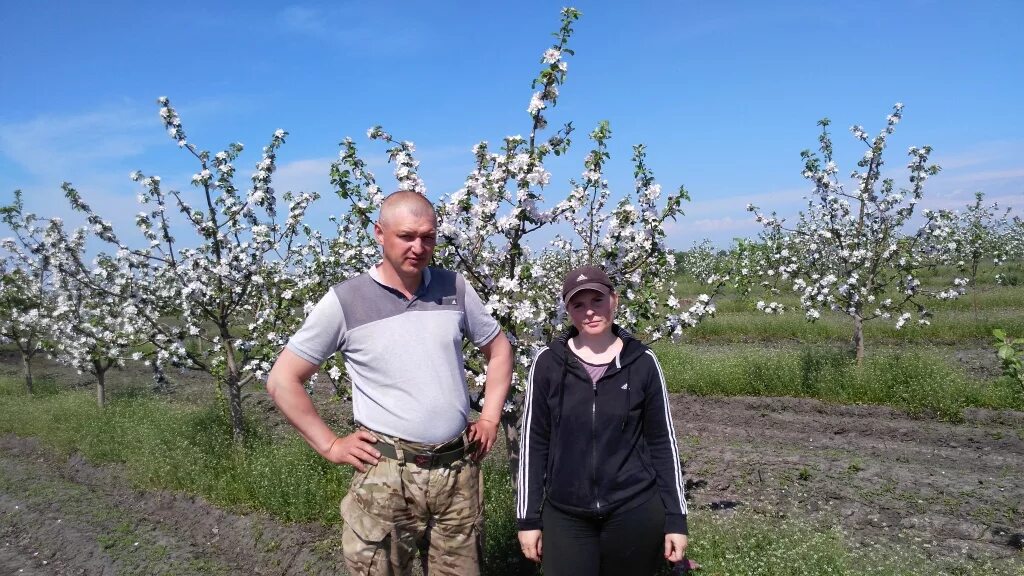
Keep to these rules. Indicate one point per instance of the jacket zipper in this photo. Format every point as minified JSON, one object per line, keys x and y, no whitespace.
{"x":593,"y":448}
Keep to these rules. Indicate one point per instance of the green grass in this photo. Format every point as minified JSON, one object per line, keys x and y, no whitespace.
{"x":941,"y":275}
{"x":747,"y":543}
{"x":970,"y":317}
{"x":163,"y":445}
{"x":181,"y":448}
{"x":915,"y":381}
{"x":989,"y":299}
{"x":948,"y":327}
{"x":501,"y":546}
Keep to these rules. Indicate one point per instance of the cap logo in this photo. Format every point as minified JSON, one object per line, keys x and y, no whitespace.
{"x":582,"y":278}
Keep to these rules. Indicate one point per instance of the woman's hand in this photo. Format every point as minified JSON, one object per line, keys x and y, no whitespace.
{"x":675,"y":546}
{"x":531,"y":544}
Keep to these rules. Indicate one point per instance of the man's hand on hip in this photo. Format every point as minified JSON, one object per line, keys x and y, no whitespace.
{"x":483,"y":433}
{"x":355,"y":449}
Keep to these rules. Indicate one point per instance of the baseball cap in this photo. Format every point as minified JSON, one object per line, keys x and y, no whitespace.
{"x":585,"y":278}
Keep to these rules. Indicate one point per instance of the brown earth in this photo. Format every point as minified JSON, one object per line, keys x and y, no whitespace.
{"x":951,"y":490}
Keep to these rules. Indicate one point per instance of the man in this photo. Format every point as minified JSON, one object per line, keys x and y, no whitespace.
{"x":401,"y":327}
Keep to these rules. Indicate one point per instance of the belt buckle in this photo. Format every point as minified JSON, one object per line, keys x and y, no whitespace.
{"x":423,"y":460}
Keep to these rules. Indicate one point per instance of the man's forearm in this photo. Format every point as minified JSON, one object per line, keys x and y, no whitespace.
{"x":499,"y":379}
{"x":495,"y":392}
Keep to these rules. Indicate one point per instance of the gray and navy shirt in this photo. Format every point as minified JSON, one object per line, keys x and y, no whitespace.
{"x":404,"y":356}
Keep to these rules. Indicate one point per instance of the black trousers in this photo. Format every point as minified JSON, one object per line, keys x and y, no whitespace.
{"x":626,"y":543}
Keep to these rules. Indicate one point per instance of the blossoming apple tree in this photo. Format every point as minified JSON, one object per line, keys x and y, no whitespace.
{"x":487,"y":228}
{"x":88,"y":325}
{"x":849,"y":250}
{"x":221,"y":300}
{"x":26,"y":288}
{"x":974,"y":235}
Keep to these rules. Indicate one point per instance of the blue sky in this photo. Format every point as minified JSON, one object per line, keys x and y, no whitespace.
{"x":724,"y":94}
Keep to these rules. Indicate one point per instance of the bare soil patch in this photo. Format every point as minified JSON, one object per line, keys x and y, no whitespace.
{"x":877,"y":474}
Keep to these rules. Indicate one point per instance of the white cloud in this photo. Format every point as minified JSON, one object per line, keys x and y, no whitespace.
{"x":722,"y":218}
{"x":979,"y":154}
{"x":783,"y":201}
{"x":443,"y":168}
{"x":62,"y":145}
{"x":348,"y":25}
{"x":989,"y":176}
{"x":310,"y":175}
{"x":993,"y":168}
{"x":723,"y":225}
{"x":954,"y":191}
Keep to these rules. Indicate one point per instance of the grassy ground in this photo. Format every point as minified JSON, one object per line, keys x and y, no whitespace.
{"x":180,"y":448}
{"x":162,"y":445}
{"x":742,"y":351}
{"x":947,"y":327}
{"x":970,"y":317}
{"x":916,"y":379}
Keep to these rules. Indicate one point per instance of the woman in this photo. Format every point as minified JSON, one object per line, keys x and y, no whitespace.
{"x":600,"y":487}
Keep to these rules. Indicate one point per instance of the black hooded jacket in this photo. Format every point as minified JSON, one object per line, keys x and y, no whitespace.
{"x":590,"y":448}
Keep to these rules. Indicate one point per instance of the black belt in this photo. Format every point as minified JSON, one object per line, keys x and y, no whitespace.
{"x":442,"y":456}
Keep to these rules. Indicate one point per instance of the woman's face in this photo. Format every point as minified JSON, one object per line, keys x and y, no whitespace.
{"x":592,"y":312}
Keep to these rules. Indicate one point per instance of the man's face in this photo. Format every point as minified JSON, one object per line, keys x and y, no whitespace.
{"x":407,"y":240}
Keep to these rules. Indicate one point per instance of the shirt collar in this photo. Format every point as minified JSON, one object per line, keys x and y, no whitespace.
{"x":375,"y":275}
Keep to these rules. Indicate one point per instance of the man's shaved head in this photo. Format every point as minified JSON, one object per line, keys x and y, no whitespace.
{"x":409,"y":202}
{"x":407,"y":232}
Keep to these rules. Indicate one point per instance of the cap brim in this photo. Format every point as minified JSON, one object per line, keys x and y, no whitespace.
{"x":588,"y":286}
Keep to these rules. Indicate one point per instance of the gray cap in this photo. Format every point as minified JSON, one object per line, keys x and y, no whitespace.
{"x":585,"y":278}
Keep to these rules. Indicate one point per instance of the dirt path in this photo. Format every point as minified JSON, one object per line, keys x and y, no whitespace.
{"x":63,"y":516}
{"x":950,"y":489}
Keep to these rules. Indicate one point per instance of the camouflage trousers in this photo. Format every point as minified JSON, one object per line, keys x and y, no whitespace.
{"x":395,"y":509}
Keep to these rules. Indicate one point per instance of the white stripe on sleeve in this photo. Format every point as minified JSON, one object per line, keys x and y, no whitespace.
{"x":671,"y":435}
{"x":524,"y":442}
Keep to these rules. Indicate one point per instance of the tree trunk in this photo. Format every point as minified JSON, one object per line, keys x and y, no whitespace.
{"x":510,"y":424}
{"x":235,"y":408}
{"x":26,"y":361}
{"x":858,"y":339}
{"x":101,"y":386}
{"x":974,"y":296}
{"x":233,"y":382}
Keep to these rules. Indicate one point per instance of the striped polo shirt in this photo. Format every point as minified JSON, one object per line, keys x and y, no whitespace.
{"x":404,"y":356}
